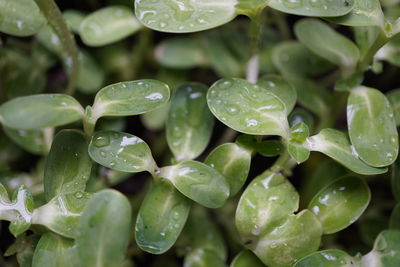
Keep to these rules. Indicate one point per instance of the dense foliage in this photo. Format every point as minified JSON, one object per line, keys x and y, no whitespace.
{"x":220,"y":165}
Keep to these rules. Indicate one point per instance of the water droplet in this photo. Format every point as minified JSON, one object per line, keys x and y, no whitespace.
{"x":163,"y":24}
{"x":225,"y":84}
{"x":103,"y":153}
{"x":154,"y":96}
{"x":112,"y":164}
{"x":176,"y":226}
{"x":251,"y":122}
{"x":78,"y":195}
{"x":182,"y":9}
{"x":233,"y":110}
{"x":293,"y":3}
{"x":315,"y":3}
{"x":176,"y":215}
{"x":102,"y":141}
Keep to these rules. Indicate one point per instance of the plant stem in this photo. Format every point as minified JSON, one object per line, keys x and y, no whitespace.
{"x":70,"y":51}
{"x":253,"y":65}
{"x":380,"y":41}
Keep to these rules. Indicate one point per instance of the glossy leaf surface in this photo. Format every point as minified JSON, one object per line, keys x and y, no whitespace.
{"x":326,"y":258}
{"x":248,"y":108}
{"x":280,"y":88}
{"x":104,"y":229}
{"x":74,"y":19}
{"x":198,"y":182}
{"x":108,"y":25}
{"x":372,"y":127}
{"x":298,"y":135}
{"x":318,"y":8}
{"x":130,"y":98}
{"x":203,"y":257}
{"x":327,"y":43}
{"x":40,"y":111}
{"x":340,"y":203}
{"x":394,"y":99}
{"x":186,"y":15}
{"x":336,"y":145}
{"x":267,"y":148}
{"x":31,"y":140}
{"x":364,"y":13}
{"x":161,"y":217}
{"x":386,"y":251}
{"x":121,"y":151}
{"x":54,"y":250}
{"x":68,"y":165}
{"x":20,"y":17}
{"x":246,"y":258}
{"x":90,"y":77}
{"x":298,"y":152}
{"x":300,"y":115}
{"x":62,"y":214}
{"x":233,"y":162}
{"x":190,"y":122}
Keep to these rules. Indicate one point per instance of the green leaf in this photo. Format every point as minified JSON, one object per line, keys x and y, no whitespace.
{"x":326,"y":258}
{"x":350,"y":82}
{"x":297,"y":237}
{"x":364,"y":13}
{"x":62,"y":214}
{"x":340,"y":203}
{"x":91,"y":76}
{"x":280,"y":88}
{"x":268,"y":148}
{"x":300,"y":115}
{"x":190,"y":122}
{"x":298,"y":135}
{"x":394,"y":99}
{"x":386,"y":251}
{"x":20,"y":17}
{"x":104,"y":230}
{"x":55,"y":251}
{"x":108,"y":25}
{"x":68,"y":165}
{"x":336,"y":145}
{"x":248,"y":108}
{"x":186,"y":15}
{"x":203,"y":257}
{"x":121,"y":151}
{"x":30,"y":140}
{"x":40,"y":111}
{"x":298,"y":152}
{"x":327,"y":43}
{"x":161,"y":217}
{"x":181,"y":53}
{"x":246,"y":258}
{"x":130,"y":98}
{"x":233,"y":162}
{"x":74,"y":19}
{"x":317,"y":8}
{"x":198,"y":182}
{"x":372,"y":127}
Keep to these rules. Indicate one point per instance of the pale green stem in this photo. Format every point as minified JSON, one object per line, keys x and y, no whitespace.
{"x":366,"y":59}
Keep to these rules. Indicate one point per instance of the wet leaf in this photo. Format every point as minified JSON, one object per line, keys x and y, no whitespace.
{"x":327,"y":43}
{"x":108,"y":25}
{"x":386,"y":251}
{"x":40,"y":111}
{"x":68,"y":165}
{"x":20,"y":17}
{"x":190,"y":122}
{"x":161,"y":217}
{"x":246,"y":258}
{"x":30,"y":140}
{"x":203,"y":257}
{"x":268,"y":148}
{"x":184,"y":16}
{"x":90,"y":76}
{"x":130,"y":98}
{"x":300,"y":115}
{"x":233,"y":162}
{"x":198,"y":182}
{"x":327,"y":258}
{"x":54,"y":250}
{"x":364,"y":13}
{"x":317,"y":8}
{"x":74,"y":19}
{"x":372,"y":127}
{"x":336,"y":145}
{"x":248,"y":108}
{"x":298,"y":135}
{"x":394,"y":99}
{"x":121,"y":151}
{"x":104,"y":230}
{"x":298,"y":152}
{"x":340,"y":203}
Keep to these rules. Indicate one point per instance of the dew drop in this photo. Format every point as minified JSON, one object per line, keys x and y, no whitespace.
{"x":103,"y":153}
{"x":78,"y":195}
{"x":101,"y":141}
{"x":293,"y":3}
{"x":226,"y":84}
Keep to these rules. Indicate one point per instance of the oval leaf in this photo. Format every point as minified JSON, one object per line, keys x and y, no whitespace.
{"x":316,"y":8}
{"x":394,"y":99}
{"x":386,"y":251}
{"x":190,"y":122}
{"x":341,"y":203}
{"x":372,"y":127}
{"x":68,"y":165}
{"x":104,"y":229}
{"x":327,"y":43}
{"x":121,"y":151}
{"x":130,"y":98}
{"x":161,"y":217}
{"x":108,"y":25}
{"x":30,"y":140}
{"x":20,"y":17}
{"x":203,"y":257}
{"x":326,"y":258}
{"x":198,"y":182}
{"x":336,"y":145}
{"x":246,"y":258}
{"x":248,"y":108}
{"x":233,"y":162}
{"x":40,"y":111}
{"x":186,"y":15}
